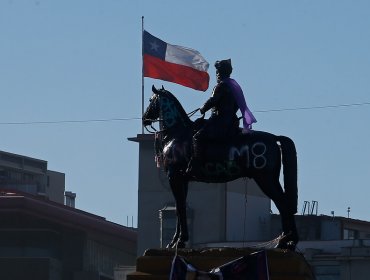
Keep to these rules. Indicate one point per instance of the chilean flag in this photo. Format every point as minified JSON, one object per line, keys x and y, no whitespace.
{"x":174,"y":64}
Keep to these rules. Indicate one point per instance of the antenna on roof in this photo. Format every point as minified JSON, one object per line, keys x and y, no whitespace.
{"x":348,"y":210}
{"x":310,"y":208}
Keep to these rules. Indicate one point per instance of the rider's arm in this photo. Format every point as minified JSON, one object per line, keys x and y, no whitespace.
{"x":214,"y":99}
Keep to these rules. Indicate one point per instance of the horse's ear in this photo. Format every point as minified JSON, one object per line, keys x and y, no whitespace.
{"x":162,"y":87}
{"x":154,"y":89}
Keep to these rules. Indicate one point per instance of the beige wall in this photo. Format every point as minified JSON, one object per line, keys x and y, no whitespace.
{"x":56,"y":186}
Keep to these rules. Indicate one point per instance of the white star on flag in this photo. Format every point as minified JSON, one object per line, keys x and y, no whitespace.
{"x":154,"y":46}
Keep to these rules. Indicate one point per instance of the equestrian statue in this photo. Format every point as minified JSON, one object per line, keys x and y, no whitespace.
{"x":216,"y":151}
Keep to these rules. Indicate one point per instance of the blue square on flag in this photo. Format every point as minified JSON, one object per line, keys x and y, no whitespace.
{"x":154,"y":46}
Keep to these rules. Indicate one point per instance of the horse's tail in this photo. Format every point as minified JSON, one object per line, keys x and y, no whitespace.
{"x":289,"y":159}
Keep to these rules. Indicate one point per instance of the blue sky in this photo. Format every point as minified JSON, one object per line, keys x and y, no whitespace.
{"x":80,"y":60}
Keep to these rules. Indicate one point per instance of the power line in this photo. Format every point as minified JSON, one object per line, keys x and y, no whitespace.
{"x":314,"y":107}
{"x":136,"y":118}
{"x":69,"y":121}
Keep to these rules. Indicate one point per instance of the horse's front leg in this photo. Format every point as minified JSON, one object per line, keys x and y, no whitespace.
{"x":179,"y":187}
{"x":176,"y":236}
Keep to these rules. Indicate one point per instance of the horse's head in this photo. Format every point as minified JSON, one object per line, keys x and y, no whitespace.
{"x":151,"y":113}
{"x":165,"y":108}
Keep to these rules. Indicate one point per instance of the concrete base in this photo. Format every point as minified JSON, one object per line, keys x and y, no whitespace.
{"x":156,"y":264}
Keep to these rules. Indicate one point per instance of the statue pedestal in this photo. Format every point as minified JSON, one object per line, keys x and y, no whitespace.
{"x":282,"y":264}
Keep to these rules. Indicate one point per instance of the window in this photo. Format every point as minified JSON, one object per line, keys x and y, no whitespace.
{"x":349,"y":234}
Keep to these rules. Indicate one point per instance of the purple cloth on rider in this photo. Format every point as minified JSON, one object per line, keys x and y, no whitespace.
{"x":248,"y":118}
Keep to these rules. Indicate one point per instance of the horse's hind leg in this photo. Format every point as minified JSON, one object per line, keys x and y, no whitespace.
{"x":274,"y":191}
{"x":290,"y":238}
{"x":179,"y":187}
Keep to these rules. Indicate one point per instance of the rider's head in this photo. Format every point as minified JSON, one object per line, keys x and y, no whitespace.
{"x":223,"y":69}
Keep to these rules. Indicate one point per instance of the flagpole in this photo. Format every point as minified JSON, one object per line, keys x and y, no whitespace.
{"x":142,"y":71}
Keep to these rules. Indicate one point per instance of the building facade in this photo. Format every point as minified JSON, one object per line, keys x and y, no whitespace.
{"x":43,"y":238}
{"x":29,"y":175}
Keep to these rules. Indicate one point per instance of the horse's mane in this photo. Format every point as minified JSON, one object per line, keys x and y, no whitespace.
{"x":183,"y":113}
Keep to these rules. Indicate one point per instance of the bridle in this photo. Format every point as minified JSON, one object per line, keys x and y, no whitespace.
{"x":154,"y":130}
{"x":152,"y":121}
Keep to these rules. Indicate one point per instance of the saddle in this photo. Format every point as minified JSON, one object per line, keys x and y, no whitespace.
{"x":233,"y":130}
{"x":219,"y":150}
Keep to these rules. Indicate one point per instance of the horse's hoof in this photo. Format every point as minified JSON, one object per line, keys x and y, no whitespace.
{"x":287,"y":246}
{"x":180,"y":244}
{"x":287,"y":242}
{"x":172,"y":244}
{"x":291,"y":246}
{"x":281,"y":245}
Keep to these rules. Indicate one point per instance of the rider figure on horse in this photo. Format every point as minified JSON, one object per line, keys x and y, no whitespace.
{"x":227,"y":98}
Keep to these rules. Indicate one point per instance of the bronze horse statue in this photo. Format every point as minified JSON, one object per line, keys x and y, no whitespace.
{"x":258,"y":155}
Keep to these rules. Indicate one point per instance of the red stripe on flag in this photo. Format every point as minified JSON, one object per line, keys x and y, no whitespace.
{"x":175,"y":73}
